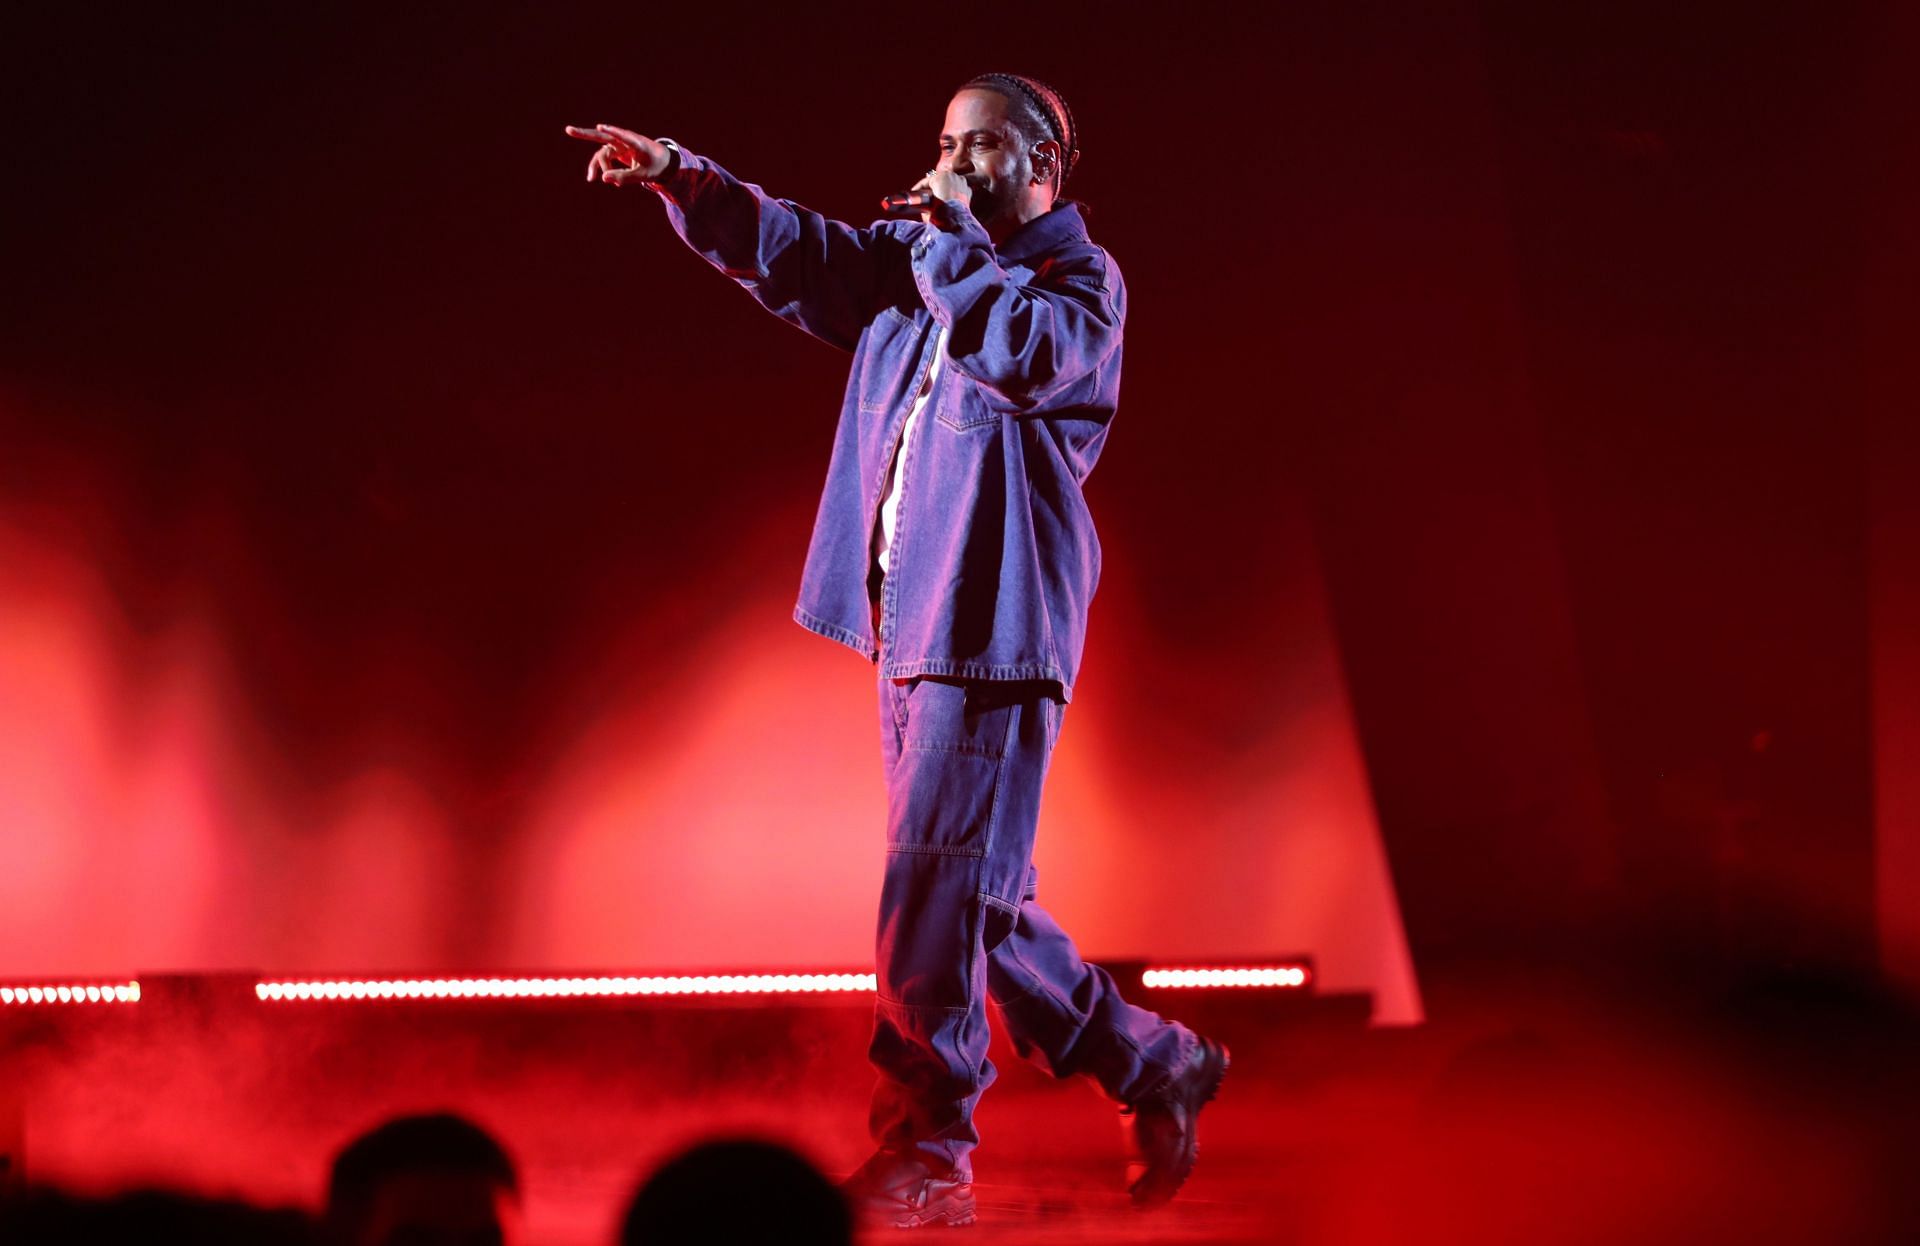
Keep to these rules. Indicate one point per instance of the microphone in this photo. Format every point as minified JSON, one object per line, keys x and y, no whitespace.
{"x":912,"y":201}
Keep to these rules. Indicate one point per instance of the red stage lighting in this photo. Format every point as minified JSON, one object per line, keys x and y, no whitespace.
{"x":1264,"y":977}
{"x":82,"y":993}
{"x":567,"y":988}
{"x":1291,"y":976}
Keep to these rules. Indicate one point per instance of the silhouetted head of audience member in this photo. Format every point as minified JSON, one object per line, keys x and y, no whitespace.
{"x":737,"y":1190}
{"x":431,"y":1180}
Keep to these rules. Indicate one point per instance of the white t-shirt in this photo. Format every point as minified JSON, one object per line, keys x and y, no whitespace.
{"x":890,"y":504}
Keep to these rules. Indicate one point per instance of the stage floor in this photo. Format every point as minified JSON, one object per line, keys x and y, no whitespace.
{"x":1516,"y":1118}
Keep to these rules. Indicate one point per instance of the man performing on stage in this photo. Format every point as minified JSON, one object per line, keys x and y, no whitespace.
{"x":954,"y":549}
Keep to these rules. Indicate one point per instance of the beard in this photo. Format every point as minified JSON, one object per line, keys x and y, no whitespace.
{"x":986,"y":203}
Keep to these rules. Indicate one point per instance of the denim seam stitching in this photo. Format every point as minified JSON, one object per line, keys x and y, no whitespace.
{"x":976,"y":979}
{"x":999,"y":786}
{"x":964,"y":425}
{"x":976,"y":945}
{"x":970,"y":750}
{"x":891,"y":1002}
{"x":989,"y":898}
{"x":903,"y":450}
{"x":907,"y":668}
{"x":937,"y":850}
{"x":1047,"y":991}
{"x":832,"y":631}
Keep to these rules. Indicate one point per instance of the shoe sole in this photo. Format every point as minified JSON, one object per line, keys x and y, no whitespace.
{"x":946,"y":1217}
{"x":959,"y":1220}
{"x":952,"y":1212}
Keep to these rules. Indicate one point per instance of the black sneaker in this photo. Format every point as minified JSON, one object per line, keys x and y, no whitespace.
{"x":1160,"y":1126}
{"x":903,"y":1192}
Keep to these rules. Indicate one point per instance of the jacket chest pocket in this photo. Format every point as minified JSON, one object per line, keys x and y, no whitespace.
{"x":965,"y":409}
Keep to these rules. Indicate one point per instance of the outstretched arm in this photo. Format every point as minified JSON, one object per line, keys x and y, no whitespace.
{"x":811,"y":271}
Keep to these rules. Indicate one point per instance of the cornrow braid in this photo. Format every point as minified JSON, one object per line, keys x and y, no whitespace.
{"x":1042,"y":105}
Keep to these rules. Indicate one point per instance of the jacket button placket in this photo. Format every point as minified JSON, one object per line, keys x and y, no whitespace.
{"x":905,"y":451}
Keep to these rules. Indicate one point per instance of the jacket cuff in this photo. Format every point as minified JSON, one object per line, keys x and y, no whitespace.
{"x":939,"y":255}
{"x":681,"y":164}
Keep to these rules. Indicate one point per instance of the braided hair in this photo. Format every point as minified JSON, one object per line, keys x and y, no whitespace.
{"x":1040,"y":112}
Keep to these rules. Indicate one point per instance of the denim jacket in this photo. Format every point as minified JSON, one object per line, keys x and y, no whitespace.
{"x":994,"y":558}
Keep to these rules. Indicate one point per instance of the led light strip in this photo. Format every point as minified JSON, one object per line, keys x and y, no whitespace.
{"x":568,"y":988}
{"x":1270,"y":977}
{"x":94,"y":993}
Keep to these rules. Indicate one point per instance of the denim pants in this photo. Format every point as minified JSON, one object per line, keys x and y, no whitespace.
{"x":964,"y":764}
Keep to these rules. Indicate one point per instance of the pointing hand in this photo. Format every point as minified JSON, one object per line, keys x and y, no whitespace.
{"x":623,"y":156}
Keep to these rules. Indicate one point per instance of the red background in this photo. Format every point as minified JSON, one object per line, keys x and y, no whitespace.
{"x":1505,"y":519}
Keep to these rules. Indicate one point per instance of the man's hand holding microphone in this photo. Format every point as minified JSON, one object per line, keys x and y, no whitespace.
{"x":929,"y":195}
